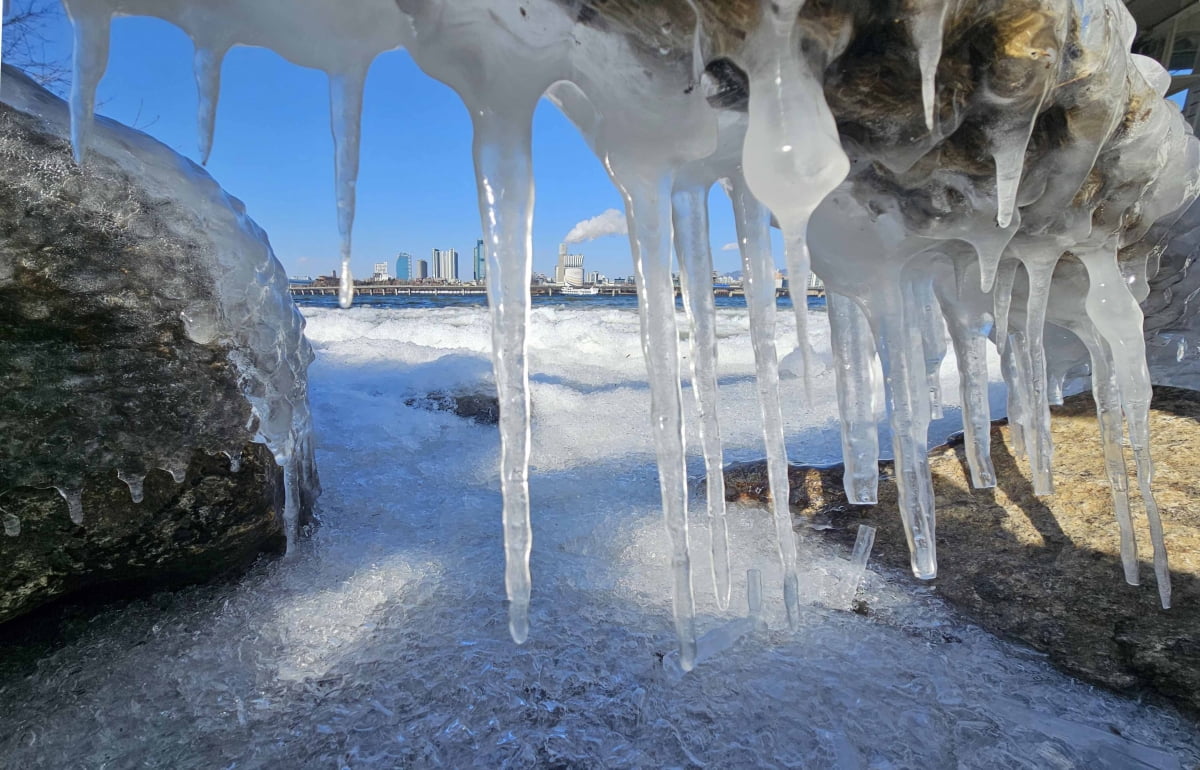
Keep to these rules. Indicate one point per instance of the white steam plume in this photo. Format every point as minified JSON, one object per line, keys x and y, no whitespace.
{"x":611,"y":222}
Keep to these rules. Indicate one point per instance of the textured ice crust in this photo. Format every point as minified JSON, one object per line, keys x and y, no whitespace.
{"x":386,"y":645}
{"x":250,"y":314}
{"x":1012,"y":197}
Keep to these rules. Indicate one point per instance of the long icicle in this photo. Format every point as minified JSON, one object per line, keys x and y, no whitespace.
{"x":1039,"y":443}
{"x":1118,"y":318}
{"x":647,"y":203}
{"x":854,"y":373}
{"x":933,"y":341}
{"x":968,"y":325}
{"x":504,"y":178}
{"x":206,"y":65}
{"x":1108,"y":414}
{"x":758,"y":265}
{"x":345,"y":121}
{"x":900,"y":354}
{"x":689,"y":216}
{"x":91,"y":25}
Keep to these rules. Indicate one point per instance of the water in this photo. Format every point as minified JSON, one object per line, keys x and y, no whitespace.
{"x":385,"y":643}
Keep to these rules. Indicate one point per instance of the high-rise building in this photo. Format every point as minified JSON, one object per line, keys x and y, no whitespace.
{"x":381,"y":272}
{"x":422,"y":271}
{"x":445,"y":264}
{"x":480,"y":261}
{"x":565,"y":261}
{"x":404,"y":266}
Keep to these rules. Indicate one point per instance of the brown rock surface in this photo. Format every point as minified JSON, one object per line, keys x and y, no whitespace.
{"x":215,"y":522}
{"x":1046,"y":571}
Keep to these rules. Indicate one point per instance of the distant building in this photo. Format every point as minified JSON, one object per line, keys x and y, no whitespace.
{"x":422,"y":271}
{"x":566,"y":261}
{"x":445,"y":264}
{"x":573,"y":276}
{"x":595,"y":277}
{"x":404,"y":266}
{"x":480,"y":261}
{"x":300,"y":280}
{"x":381,"y":272}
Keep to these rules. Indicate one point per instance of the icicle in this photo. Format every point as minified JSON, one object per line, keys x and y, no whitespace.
{"x":933,"y":341}
{"x":91,"y":23}
{"x":1108,"y":414}
{"x":792,"y":155}
{"x":235,"y":461}
{"x":504,"y":179}
{"x":1002,"y":287}
{"x":689,"y":216}
{"x":74,"y":498}
{"x":1017,"y":410}
{"x":989,"y":243}
{"x":968,"y":327}
{"x":724,"y":637}
{"x":134,"y":482}
{"x":863,"y":543}
{"x":647,"y":203}
{"x":178,"y":471}
{"x":1010,"y":160}
{"x":1118,"y":319}
{"x":1041,"y":446}
{"x":854,"y":373}
{"x":291,"y":503}
{"x":12,"y":525}
{"x":206,"y":63}
{"x":925,"y":28}
{"x":900,"y":354}
{"x":758,"y":267}
{"x":345,"y":119}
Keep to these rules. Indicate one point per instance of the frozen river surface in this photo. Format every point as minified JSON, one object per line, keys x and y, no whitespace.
{"x":384,"y":643}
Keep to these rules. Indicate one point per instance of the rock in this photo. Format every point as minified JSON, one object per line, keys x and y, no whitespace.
{"x":480,"y":408}
{"x":117,"y":361}
{"x":1046,"y":571}
{"x":216,"y":522}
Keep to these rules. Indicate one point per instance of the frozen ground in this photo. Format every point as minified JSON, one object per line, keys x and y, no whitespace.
{"x":384,"y":642}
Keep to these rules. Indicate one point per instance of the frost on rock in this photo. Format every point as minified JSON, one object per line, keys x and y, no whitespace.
{"x":1008,"y":184}
{"x":169,"y":272}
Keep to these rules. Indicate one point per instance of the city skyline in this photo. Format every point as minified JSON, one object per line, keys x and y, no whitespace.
{"x":479,"y":266}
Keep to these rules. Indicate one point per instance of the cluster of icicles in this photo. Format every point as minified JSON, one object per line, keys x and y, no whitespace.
{"x":893,"y":290}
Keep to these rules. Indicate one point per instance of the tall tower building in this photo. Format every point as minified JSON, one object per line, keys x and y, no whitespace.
{"x":445,"y":264}
{"x":480,"y":261}
{"x":422,"y":271}
{"x":404,"y":266}
{"x":566,"y":261}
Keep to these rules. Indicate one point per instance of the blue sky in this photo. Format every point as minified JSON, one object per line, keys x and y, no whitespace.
{"x":273,"y":150}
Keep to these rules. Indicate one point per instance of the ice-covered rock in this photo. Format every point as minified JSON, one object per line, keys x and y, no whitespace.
{"x":145,"y":328}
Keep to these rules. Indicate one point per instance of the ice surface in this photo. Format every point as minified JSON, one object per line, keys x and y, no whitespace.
{"x":1085,"y":158}
{"x":386,"y":644}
